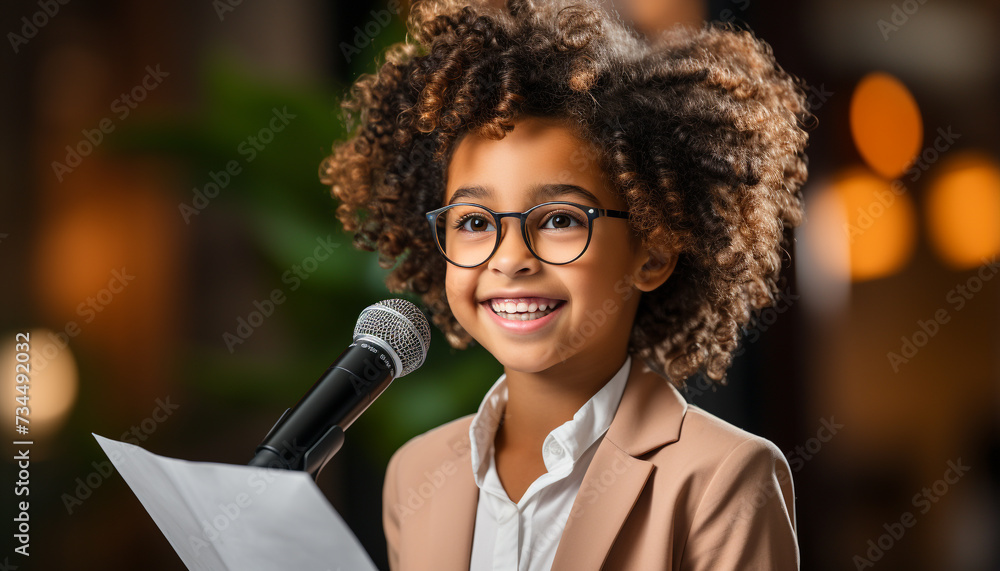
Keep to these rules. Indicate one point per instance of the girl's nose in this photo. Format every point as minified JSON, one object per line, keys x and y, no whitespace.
{"x":513,"y":256}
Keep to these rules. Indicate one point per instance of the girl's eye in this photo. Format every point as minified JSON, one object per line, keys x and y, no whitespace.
{"x":559,"y":220}
{"x":474,"y":223}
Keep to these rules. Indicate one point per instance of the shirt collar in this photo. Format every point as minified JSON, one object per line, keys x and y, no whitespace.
{"x":572,"y":438}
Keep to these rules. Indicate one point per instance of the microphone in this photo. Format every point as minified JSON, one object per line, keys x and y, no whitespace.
{"x":391,"y":339}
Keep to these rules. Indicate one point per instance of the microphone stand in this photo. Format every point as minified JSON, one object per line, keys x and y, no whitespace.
{"x":312,"y":461}
{"x":340,"y":395}
{"x":307,"y":435}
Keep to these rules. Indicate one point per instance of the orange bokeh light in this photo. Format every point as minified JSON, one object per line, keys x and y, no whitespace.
{"x":50,"y":387}
{"x":880,"y":226}
{"x":885,"y":124}
{"x":963,"y":210}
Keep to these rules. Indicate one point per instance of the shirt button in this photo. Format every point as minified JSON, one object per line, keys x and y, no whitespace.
{"x":555,"y":449}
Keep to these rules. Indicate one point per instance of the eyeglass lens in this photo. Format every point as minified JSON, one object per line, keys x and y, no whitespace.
{"x":557,"y":233}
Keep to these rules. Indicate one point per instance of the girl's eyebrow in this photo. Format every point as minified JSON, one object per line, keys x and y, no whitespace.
{"x":539,"y":192}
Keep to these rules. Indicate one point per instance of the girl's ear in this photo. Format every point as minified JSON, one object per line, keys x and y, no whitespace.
{"x":655,"y":270}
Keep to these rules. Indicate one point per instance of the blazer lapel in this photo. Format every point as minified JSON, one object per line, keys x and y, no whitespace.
{"x":649,"y":416}
{"x":451,"y":521}
{"x":610,"y":488}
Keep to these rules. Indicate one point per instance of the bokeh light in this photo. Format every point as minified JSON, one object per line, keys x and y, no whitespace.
{"x":963,"y":210}
{"x":824,"y":268}
{"x":880,"y":226}
{"x":53,"y":382}
{"x":885,"y":123}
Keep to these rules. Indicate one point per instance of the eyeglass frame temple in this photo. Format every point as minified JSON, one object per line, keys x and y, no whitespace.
{"x":593,"y":213}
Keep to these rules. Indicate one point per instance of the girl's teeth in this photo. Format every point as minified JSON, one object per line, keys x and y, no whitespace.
{"x":521,"y":310}
{"x":524,"y":316}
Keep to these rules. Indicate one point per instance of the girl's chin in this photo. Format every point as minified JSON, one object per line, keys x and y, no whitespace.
{"x":523,"y":362}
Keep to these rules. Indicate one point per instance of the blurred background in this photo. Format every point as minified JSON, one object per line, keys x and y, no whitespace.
{"x":160,"y":195}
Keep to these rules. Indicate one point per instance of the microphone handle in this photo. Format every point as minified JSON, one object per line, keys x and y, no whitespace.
{"x":310,"y":433}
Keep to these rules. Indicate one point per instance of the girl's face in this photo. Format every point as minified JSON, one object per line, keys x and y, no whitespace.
{"x":595,"y":300}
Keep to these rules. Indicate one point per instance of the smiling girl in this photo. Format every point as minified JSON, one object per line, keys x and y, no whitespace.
{"x":602,"y":214}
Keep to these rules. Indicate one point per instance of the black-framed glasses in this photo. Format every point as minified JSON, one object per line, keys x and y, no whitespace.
{"x":555,"y":232}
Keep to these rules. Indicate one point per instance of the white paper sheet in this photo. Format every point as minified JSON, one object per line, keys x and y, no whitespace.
{"x":227,"y":517}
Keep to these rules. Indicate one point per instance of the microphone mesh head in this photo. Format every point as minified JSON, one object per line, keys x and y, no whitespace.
{"x":400,"y":325}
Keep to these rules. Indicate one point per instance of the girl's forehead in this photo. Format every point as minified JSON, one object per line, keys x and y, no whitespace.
{"x":540,"y":159}
{"x":535,"y":193}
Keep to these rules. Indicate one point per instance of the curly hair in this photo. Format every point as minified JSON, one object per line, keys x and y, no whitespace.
{"x":699,"y":130}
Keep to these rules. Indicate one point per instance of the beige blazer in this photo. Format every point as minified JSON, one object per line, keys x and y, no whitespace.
{"x":670,"y":487}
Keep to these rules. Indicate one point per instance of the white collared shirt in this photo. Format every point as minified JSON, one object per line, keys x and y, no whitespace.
{"x":523,"y":536}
